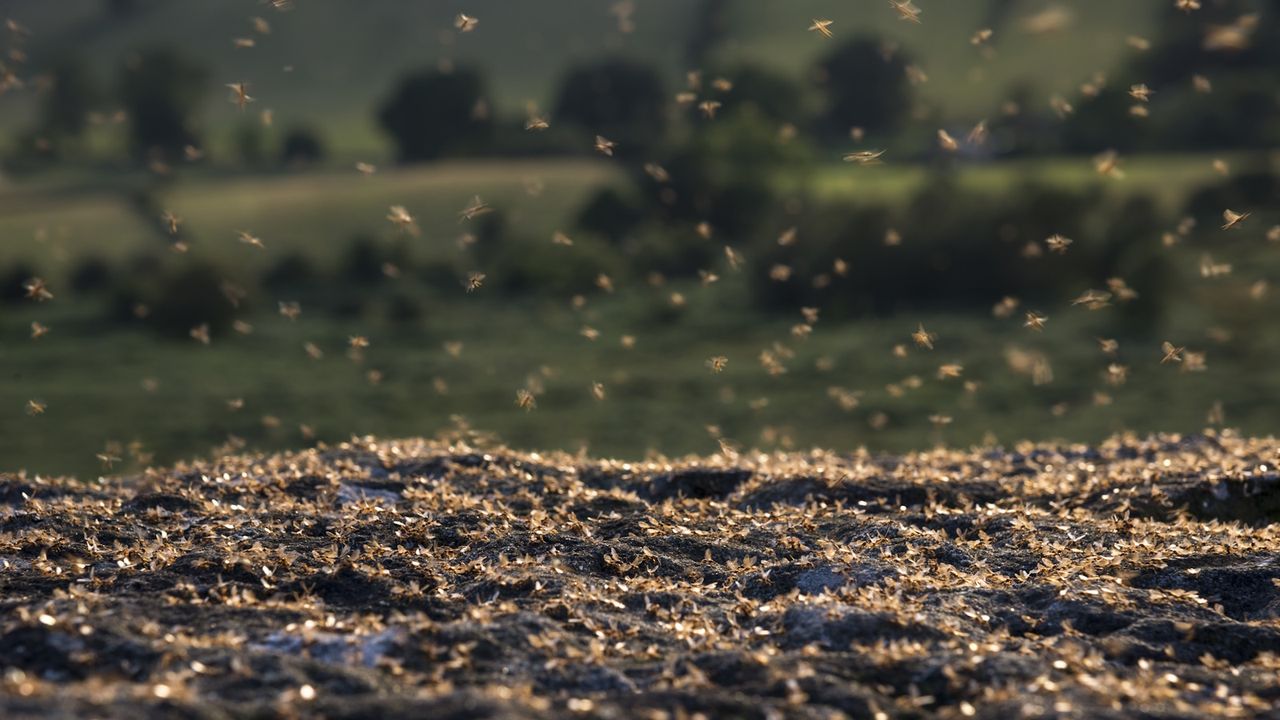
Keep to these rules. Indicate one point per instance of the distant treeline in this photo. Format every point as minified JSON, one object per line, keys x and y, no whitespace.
{"x":1213,"y":74}
{"x":945,"y":249}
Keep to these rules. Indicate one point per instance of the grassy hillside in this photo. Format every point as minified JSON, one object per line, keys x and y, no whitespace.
{"x":345,"y":55}
{"x":313,"y":214}
{"x":54,"y":221}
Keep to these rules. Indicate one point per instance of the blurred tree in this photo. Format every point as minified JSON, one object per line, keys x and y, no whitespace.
{"x":251,"y":143}
{"x":302,"y":146}
{"x":122,"y":8}
{"x":768,"y":93}
{"x":189,"y":297}
{"x":432,"y":113}
{"x":1236,"y":45}
{"x":90,"y":275}
{"x":1103,"y":123}
{"x":708,"y":30}
{"x":866,"y":85}
{"x":162,"y":90}
{"x":619,"y":99}
{"x":65,"y":110}
{"x":611,"y":215}
{"x":13,"y":283}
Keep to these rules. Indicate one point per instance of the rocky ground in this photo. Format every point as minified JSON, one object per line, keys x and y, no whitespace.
{"x":416,"y":579}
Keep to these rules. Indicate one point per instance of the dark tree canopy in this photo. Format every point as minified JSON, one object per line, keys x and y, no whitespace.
{"x":162,"y":90}
{"x":771,"y":94}
{"x":65,"y":111}
{"x":866,"y":87}
{"x":431,"y":114}
{"x":620,"y":99}
{"x":302,"y":145}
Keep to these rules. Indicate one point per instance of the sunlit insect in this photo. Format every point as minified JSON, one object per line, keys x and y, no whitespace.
{"x":605,"y":146}
{"x":290,"y":309}
{"x":1006,"y":307}
{"x":37,"y":290}
{"x":1188,"y":5}
{"x":171,"y":221}
{"x":1232,"y":219}
{"x":717,"y":363}
{"x":597,"y":390}
{"x":1058,"y":243}
{"x":978,"y":135}
{"x":906,"y":10}
{"x":38,"y":331}
{"x":248,"y":239}
{"x":525,"y":400}
{"x":366,"y":169}
{"x":200,"y":334}
{"x":1035,"y":321}
{"x":465,"y":23}
{"x":1107,"y":164}
{"x":1140,"y":92}
{"x":822,"y":27}
{"x":1117,"y":374}
{"x":1172,"y":353}
{"x":950,"y":370}
{"x":475,"y":209}
{"x":1108,"y":346}
{"x":474,"y":281}
{"x":240,"y":94}
{"x":981,"y":37}
{"x":709,"y":108}
{"x":923,"y":338}
{"x":1093,"y":299}
{"x":657,"y":172}
{"x":946,"y":142}
{"x":535,"y":122}
{"x":36,"y":407}
{"x":401,"y":218}
{"x":865,"y":157}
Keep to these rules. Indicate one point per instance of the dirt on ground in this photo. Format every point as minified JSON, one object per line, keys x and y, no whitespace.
{"x":442,"y":579}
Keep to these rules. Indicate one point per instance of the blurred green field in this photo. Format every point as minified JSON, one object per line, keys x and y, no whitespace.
{"x":659,"y":394}
{"x":314,"y":214}
{"x":57,"y":220}
{"x":343,"y":57}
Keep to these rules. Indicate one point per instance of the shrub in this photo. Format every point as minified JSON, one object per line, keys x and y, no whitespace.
{"x":191,"y":296}
{"x":620,"y":99}
{"x":302,"y":146}
{"x":433,"y":113}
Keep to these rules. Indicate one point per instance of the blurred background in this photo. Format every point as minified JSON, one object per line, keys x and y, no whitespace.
{"x":206,"y":190}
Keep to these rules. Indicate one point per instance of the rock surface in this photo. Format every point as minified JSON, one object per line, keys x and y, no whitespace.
{"x":416,"y":579}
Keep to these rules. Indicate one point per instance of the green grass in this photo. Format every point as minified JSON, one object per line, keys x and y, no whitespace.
{"x":660,"y":394}
{"x":312,"y":214}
